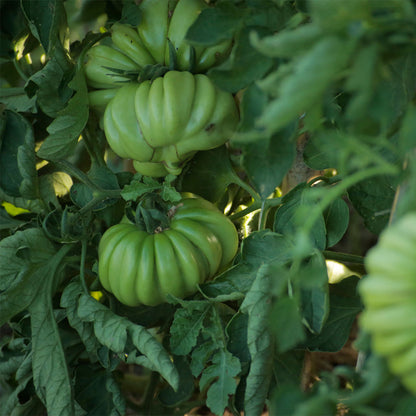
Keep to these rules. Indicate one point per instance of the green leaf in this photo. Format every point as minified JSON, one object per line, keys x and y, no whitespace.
{"x":69,"y":301}
{"x":336,"y":218}
{"x":287,"y":324}
{"x":373,"y":199}
{"x":405,"y":199}
{"x":97,"y":391}
{"x":220,"y":377}
{"x":286,"y":399}
{"x":11,"y":406}
{"x":7,"y":222}
{"x":218,"y":366}
{"x":236,"y":331}
{"x":288,"y":367}
{"x":337,"y":15}
{"x":141,"y":185}
{"x":394,"y":92}
{"x":345,"y":304}
{"x":408,"y":130}
{"x":232,"y":284}
{"x":313,"y":279}
{"x":113,"y":331}
{"x":16,"y":99}
{"x":244,"y":66}
{"x":102,"y":177}
{"x":50,"y":372}
{"x":215,"y":24}
{"x":50,"y":86}
{"x":288,"y":216}
{"x":258,"y":304}
{"x":258,"y":248}
{"x":208,"y":174}
{"x":361,"y":82}
{"x":252,"y":105}
{"x":17,"y":157}
{"x":24,"y":257}
{"x":288,"y":43}
{"x":187,"y":324}
{"x":201,"y":353}
{"x":65,"y":130}
{"x":347,"y":153}
{"x":268,"y":160}
{"x":305,"y":85}
{"x":169,"y":192}
{"x":46,"y":20}
{"x":130,"y":14}
{"x":168,"y":396}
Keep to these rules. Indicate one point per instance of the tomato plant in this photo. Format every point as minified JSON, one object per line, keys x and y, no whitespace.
{"x":207,"y":206}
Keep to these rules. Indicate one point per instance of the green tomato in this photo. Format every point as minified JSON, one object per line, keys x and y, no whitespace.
{"x":139,"y":267}
{"x":162,"y":124}
{"x":389,"y":296}
{"x":132,"y":48}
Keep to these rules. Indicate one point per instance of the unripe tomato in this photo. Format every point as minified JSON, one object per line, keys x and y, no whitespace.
{"x":132,"y":48}
{"x":139,"y":267}
{"x":389,"y":296}
{"x":163,"y":123}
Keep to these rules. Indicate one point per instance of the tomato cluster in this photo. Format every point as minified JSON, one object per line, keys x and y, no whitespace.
{"x":160,"y":29}
{"x":160,"y":123}
{"x":389,"y":295}
{"x":141,"y":267}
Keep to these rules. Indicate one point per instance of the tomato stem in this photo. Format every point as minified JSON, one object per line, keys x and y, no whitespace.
{"x":253,"y":207}
{"x":238,"y":181}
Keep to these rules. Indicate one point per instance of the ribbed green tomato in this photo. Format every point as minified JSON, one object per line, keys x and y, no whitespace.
{"x":389,"y":296}
{"x":132,"y":48}
{"x":163,"y":123}
{"x":139,"y":267}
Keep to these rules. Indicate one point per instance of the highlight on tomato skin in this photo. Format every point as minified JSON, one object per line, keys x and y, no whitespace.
{"x":141,"y":267}
{"x":389,"y":296}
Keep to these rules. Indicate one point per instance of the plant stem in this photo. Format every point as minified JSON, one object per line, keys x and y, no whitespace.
{"x":253,"y":207}
{"x":238,"y":181}
{"x":263,"y":215}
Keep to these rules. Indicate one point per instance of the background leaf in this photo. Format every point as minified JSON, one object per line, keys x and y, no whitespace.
{"x":345,"y":304}
{"x":258,"y":304}
{"x":65,"y":130}
{"x":373,"y":199}
{"x":208,"y":174}
{"x":17,"y":159}
{"x":25,"y":257}
{"x":113,"y":331}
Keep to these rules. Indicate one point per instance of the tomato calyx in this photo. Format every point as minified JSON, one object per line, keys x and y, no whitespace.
{"x":151,"y":214}
{"x":152,"y":71}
